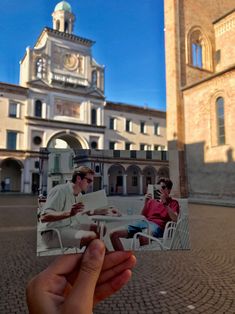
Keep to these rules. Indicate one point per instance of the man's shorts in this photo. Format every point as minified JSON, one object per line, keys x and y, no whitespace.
{"x":139,"y":226}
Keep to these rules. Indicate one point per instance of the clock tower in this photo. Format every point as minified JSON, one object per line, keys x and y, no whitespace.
{"x":63,"y":18}
{"x":61,"y":59}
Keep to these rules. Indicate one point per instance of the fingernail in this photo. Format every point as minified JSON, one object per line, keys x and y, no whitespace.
{"x":96,"y":249}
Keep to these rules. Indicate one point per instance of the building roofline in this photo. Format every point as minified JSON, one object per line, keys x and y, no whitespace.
{"x":223,"y":16}
{"x":231,"y":68}
{"x":66,"y":36}
{"x":8,"y":88}
{"x":133,"y":108}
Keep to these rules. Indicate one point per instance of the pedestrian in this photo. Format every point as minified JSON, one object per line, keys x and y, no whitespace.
{"x":3,"y":185}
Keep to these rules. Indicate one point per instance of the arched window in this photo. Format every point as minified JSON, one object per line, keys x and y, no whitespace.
{"x":220,"y":121}
{"x":93,"y":116}
{"x":38,"y":108}
{"x":94,"y":78}
{"x":199,"y":50}
{"x":58,"y":25}
{"x":39,"y":68}
{"x":66,"y":27}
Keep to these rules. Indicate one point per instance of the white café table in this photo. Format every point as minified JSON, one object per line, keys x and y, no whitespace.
{"x":102,"y":220}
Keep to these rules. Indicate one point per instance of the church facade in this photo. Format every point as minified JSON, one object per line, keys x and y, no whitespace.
{"x":200,"y":77}
{"x":60,"y":103}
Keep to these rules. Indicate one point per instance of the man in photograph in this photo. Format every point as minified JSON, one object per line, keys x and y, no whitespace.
{"x":61,"y":207}
{"x":157,"y":214}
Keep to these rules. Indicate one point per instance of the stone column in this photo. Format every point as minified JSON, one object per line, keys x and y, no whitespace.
{"x":22,"y":188}
{"x":141,"y":184}
{"x":124,"y":185}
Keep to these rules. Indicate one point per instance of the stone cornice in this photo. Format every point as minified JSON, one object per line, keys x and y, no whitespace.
{"x":56,"y":124}
{"x":223,"y":16}
{"x":19,"y":153}
{"x":14,"y":89}
{"x":70,"y":37}
{"x":134,"y":109}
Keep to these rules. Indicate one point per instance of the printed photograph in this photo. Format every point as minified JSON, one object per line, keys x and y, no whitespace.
{"x":122,"y":197}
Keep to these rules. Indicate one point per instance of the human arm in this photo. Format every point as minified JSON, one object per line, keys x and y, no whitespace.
{"x":75,"y":283}
{"x":50,"y":215}
{"x":171,"y":206}
{"x":105,"y":211}
{"x":148,"y":197}
{"x":172,"y":214}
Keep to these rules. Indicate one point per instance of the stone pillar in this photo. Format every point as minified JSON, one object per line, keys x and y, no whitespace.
{"x":25,"y":177}
{"x":124,"y":185}
{"x":22,"y":187}
{"x":141,"y":184}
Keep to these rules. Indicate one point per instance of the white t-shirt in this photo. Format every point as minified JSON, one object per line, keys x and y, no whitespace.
{"x":61,"y":199}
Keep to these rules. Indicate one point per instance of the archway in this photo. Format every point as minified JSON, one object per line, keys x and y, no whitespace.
{"x":163,"y":172}
{"x":66,"y":140}
{"x":11,"y":174}
{"x":116,"y":183}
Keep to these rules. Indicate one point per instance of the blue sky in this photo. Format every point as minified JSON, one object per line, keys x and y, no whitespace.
{"x":129,"y":36}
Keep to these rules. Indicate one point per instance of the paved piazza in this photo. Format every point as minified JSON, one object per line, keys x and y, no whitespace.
{"x":201,"y":280}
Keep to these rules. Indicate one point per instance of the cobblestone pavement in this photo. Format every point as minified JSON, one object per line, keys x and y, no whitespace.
{"x":201,"y":280}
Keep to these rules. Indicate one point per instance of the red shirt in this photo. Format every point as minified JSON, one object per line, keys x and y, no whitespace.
{"x":156,"y":212}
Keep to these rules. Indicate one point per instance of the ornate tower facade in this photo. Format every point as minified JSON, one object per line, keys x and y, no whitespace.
{"x":63,"y":18}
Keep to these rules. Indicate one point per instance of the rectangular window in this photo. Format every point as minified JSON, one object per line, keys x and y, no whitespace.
{"x":220,"y":120}
{"x":112,"y":145}
{"x":116,"y":153}
{"x":57,"y":163}
{"x":149,"y":154}
{"x":127,"y":146}
{"x":142,"y":146}
{"x":128,"y":125}
{"x":134,"y":181}
{"x":164,"y":155}
{"x":156,"y":129}
{"x":157,"y":147}
{"x":142,"y":127}
{"x":112,"y":124}
{"x":11,"y":140}
{"x":13,"y":110}
{"x":133,"y":154}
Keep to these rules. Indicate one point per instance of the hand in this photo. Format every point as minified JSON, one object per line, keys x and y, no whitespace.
{"x":148,"y":197}
{"x":164,"y":196}
{"x":114,"y":212}
{"x":75,"y":283}
{"x":76,"y":208}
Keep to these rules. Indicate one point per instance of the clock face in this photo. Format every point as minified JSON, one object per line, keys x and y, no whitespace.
{"x":70,"y":62}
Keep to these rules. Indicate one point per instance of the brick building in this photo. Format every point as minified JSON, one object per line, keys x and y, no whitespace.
{"x":200,"y":75}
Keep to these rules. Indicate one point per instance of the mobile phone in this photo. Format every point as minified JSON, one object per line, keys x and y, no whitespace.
{"x":157,"y":191}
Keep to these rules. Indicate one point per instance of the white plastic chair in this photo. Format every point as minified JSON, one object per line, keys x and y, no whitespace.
{"x":176,"y":237}
{"x":43,"y":249}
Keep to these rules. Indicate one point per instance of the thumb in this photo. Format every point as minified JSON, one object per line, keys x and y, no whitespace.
{"x":82,"y":294}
